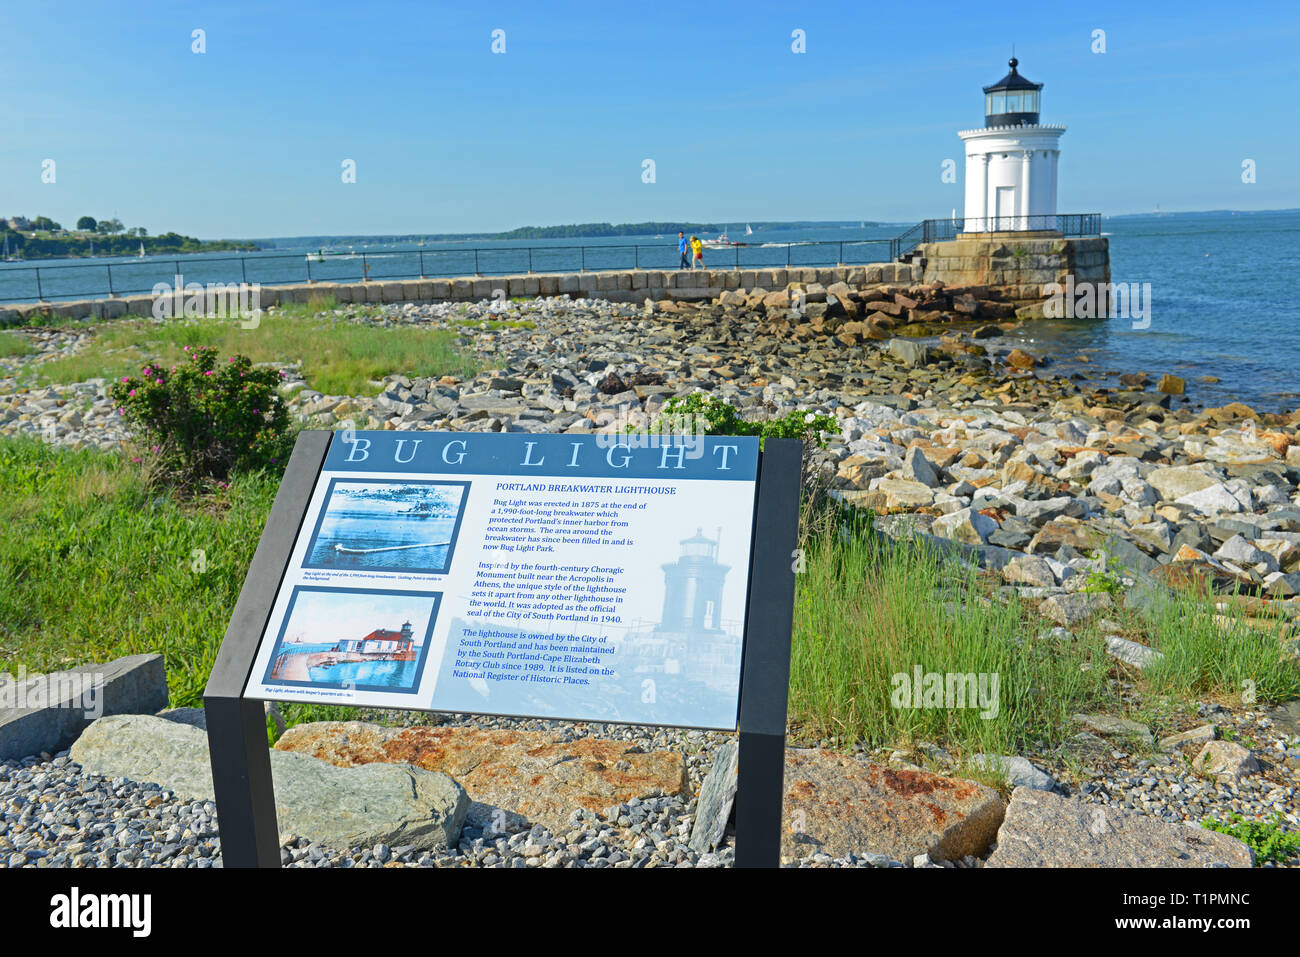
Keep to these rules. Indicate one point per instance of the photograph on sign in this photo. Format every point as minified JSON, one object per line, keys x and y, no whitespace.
{"x":400,"y":526}
{"x":584,"y":577}
{"x":349,"y":638}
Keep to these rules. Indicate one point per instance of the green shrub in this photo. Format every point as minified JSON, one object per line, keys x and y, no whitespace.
{"x":1270,"y":840}
{"x":722,"y":418}
{"x":201,"y":420}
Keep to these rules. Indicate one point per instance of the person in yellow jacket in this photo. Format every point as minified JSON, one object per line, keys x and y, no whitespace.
{"x":697,"y":248}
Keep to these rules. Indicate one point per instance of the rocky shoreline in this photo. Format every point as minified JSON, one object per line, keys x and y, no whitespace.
{"x":961,"y":441}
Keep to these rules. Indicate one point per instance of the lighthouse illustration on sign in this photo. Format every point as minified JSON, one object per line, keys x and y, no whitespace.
{"x":692,"y":638}
{"x":1011,"y":162}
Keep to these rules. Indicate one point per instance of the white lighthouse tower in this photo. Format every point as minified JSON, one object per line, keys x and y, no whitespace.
{"x":1011,"y":162}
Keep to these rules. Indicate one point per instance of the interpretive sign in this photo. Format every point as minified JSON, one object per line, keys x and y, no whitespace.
{"x":626,"y":579}
{"x":515,"y":574}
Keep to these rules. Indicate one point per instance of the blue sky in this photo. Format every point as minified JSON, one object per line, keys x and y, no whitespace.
{"x":248,"y":138}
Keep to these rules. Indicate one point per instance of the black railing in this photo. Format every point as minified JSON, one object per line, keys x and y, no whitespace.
{"x":79,"y":281}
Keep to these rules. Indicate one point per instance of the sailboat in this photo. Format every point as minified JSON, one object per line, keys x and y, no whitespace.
{"x":749,"y":230}
{"x":142,"y":255}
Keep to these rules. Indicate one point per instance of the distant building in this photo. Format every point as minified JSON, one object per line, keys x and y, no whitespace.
{"x":381,"y":641}
{"x":19,"y":223}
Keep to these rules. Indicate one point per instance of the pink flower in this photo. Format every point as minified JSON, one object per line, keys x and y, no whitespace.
{"x":126,"y":378}
{"x":131,"y":394}
{"x":209,"y":372}
{"x":135,"y":458}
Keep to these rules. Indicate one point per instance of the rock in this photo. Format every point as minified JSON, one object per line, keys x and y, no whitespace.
{"x":909,"y":352}
{"x":390,"y":804}
{"x":57,"y":707}
{"x":1110,"y":725}
{"x":1171,"y":385}
{"x":1043,"y":829}
{"x":1225,"y":760}
{"x":1197,"y":736}
{"x":986,"y":332}
{"x":839,"y":805}
{"x":1212,"y":500}
{"x":1069,"y":610}
{"x":917,"y":468}
{"x":965,"y":525}
{"x":1019,"y":359}
{"x":900,"y":493}
{"x":1175,"y":482}
{"x":1243,"y":552}
{"x":1131,"y":652}
{"x":717,"y":795}
{"x":535,"y":774}
{"x":1019,"y":771}
{"x":1029,"y":570}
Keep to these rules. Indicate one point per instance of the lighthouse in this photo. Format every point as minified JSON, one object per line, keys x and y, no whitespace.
{"x":693,"y":589}
{"x":1011,"y":162}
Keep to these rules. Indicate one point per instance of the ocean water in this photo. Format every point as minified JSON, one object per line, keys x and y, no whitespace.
{"x":380,"y":525}
{"x":1224,"y":303}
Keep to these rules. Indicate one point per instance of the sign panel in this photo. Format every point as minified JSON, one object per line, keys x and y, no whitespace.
{"x":594,"y":578}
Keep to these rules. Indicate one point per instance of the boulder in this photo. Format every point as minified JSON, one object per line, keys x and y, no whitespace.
{"x":1175,"y":482}
{"x":1196,"y":736}
{"x":1109,"y":724}
{"x":1019,"y":359}
{"x":839,"y":805}
{"x":966,"y":526}
{"x":1131,"y":652}
{"x":48,"y":712}
{"x":1044,"y":829}
{"x":1171,"y":385}
{"x":392,"y":804}
{"x":1029,"y":570}
{"x":917,"y":468}
{"x":1069,"y":610}
{"x":1212,"y":500}
{"x":909,"y":352}
{"x":1018,"y":771}
{"x":535,"y":774}
{"x":1225,"y":760}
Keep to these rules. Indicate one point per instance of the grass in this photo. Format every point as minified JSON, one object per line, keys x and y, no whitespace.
{"x":338,"y":357}
{"x":95,"y":566}
{"x":12,"y":344}
{"x":866,"y":612}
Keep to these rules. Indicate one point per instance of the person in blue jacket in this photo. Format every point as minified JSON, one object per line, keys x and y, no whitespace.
{"x":682,"y":248}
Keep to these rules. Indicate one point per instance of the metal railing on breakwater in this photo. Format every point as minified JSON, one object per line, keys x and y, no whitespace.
{"x":81,"y":281}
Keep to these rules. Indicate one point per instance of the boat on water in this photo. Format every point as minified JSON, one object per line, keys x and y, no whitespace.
{"x":722,"y":241}
{"x":321,"y":255}
{"x":142,"y":252}
{"x":749,"y":230}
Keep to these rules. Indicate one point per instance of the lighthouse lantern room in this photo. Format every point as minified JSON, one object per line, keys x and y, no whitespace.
{"x":1011,"y":162}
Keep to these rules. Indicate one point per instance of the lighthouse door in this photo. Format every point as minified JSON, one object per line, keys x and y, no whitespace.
{"x":1006,"y":208}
